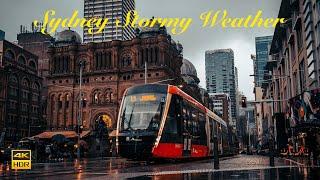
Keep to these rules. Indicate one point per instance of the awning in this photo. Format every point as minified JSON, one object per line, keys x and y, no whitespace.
{"x":84,"y":134}
{"x":307,"y":125}
{"x":67,"y":134}
{"x":113,"y":133}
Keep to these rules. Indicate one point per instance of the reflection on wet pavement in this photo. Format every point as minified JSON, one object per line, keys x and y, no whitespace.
{"x":237,"y":167}
{"x":267,"y":174}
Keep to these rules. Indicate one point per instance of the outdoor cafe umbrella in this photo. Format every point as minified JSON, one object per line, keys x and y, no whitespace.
{"x":71,"y":143}
{"x":59,"y":138}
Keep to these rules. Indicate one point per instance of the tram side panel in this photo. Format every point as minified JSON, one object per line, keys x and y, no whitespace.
{"x":184,"y":134}
{"x":171,"y":143}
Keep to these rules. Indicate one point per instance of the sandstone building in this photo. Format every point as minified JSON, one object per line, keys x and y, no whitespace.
{"x":111,"y":67}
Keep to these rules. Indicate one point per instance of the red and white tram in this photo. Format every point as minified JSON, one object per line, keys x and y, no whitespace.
{"x":163,"y":122}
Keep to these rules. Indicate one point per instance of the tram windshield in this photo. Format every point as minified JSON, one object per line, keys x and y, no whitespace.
{"x":142,"y":111}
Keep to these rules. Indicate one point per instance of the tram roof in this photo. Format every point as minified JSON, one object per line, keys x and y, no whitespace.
{"x":216,"y":117}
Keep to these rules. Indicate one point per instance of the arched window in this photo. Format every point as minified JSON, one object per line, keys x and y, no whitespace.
{"x":9,"y":54}
{"x":25,"y":82}
{"x":67,"y":101}
{"x":13,"y":79}
{"x":98,"y":60}
{"x":32,"y":64}
{"x":156,"y":51}
{"x":109,"y":58}
{"x":22,"y":59}
{"x":96,"y":98}
{"x":36,"y":86}
{"x":108,"y":95}
{"x":60,"y":101}
{"x":84,"y":102}
{"x":126,"y":61}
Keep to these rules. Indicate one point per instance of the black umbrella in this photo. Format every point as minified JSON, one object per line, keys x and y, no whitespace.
{"x":71,"y":143}
{"x":59,"y":138}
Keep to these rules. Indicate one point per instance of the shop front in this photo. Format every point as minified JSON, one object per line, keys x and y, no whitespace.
{"x":305,"y":124}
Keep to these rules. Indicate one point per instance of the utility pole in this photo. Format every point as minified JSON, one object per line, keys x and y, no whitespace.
{"x":81,"y":66}
{"x":248,"y":128}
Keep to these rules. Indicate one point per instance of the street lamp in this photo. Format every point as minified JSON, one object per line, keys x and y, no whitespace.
{"x":81,"y":66}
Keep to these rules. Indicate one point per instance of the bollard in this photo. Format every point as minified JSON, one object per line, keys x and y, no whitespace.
{"x":215,"y":153}
{"x":271,"y":152}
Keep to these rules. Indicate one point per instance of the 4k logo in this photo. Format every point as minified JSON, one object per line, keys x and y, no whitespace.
{"x":21,"y":159}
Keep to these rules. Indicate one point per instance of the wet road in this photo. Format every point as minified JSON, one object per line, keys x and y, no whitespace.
{"x":238,"y":167}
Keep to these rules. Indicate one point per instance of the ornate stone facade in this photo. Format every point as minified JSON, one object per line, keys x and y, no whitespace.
{"x":111,"y":67}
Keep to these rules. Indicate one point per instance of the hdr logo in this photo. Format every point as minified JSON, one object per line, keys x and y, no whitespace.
{"x":21,"y":159}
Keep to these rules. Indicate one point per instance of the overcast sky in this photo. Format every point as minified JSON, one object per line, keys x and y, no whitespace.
{"x":195,"y":41}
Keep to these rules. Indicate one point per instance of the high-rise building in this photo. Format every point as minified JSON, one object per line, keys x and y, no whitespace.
{"x":2,"y":35}
{"x":236,"y":77}
{"x":113,"y":10}
{"x":221,"y":105}
{"x":262,"y":53}
{"x":220,"y":76}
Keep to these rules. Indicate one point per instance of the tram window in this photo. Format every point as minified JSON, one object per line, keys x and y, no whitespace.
{"x":190,"y":120}
{"x":194,"y":122}
{"x":172,"y":118}
{"x":179,"y":114}
{"x":202,"y":126}
{"x":184,"y":117}
{"x":211,"y":129}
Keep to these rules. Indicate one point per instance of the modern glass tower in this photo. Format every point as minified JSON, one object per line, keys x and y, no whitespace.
{"x":113,"y":10}
{"x":262,"y":54}
{"x":220,"y":76}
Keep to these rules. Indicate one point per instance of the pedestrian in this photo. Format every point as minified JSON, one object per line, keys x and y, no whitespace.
{"x":48,"y":152}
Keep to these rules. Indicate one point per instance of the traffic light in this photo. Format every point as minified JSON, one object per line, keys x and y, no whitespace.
{"x":244,"y":102}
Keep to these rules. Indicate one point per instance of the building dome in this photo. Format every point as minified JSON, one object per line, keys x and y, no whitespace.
{"x":188,"y":68}
{"x":68,"y":37}
{"x":189,"y":73}
{"x":145,"y":32}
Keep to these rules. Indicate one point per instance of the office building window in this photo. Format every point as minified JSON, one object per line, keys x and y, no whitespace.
{"x":302,"y":76}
